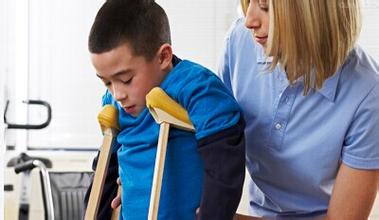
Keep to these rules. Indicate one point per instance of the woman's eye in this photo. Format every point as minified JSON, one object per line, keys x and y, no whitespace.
{"x":264,"y":9}
{"x":107,"y":84}
{"x":263,"y":5}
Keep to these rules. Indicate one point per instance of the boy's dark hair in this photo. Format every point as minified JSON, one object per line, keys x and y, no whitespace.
{"x":143,"y":24}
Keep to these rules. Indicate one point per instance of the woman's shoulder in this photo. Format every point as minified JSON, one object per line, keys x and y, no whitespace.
{"x":238,"y":32}
{"x":362,"y":66}
{"x":360,"y":73}
{"x":238,"y":25}
{"x":240,"y":43}
{"x":365,"y":60}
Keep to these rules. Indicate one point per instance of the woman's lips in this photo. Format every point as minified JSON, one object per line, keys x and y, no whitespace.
{"x":261,"y":40}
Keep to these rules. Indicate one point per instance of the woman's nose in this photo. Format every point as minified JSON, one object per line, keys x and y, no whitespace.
{"x":252,"y":17}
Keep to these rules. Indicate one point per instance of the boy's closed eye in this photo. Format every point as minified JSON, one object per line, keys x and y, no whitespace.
{"x":126,"y":82}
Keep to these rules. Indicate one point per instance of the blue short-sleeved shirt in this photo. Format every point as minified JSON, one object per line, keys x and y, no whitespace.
{"x":295,"y":143}
{"x":211,"y":108}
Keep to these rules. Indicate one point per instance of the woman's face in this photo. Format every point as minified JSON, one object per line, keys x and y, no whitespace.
{"x":257,"y":20}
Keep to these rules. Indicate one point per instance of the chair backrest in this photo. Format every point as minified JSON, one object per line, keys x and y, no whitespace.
{"x":68,"y":190}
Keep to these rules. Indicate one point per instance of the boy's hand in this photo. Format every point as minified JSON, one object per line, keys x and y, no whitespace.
{"x":116,"y":202}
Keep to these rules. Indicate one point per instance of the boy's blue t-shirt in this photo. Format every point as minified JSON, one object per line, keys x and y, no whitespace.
{"x":211,"y":108}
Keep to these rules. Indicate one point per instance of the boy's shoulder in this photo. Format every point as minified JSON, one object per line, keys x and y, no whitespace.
{"x":188,"y":77}
{"x":187,"y":72}
{"x":188,"y":65}
{"x":210,"y":105}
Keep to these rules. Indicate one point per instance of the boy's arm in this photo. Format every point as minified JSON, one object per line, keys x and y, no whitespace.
{"x":223,"y":154}
{"x":109,"y":190}
{"x":353,"y":193}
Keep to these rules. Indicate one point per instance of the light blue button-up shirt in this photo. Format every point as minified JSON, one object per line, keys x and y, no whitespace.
{"x":295,"y":143}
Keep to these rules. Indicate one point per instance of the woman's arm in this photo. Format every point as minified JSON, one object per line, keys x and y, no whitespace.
{"x":353,"y":194}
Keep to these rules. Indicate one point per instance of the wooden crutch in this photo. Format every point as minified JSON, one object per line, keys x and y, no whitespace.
{"x":108,"y":120}
{"x":165,"y":112}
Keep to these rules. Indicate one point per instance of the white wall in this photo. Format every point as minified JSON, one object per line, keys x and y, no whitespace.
{"x":370,"y":28}
{"x":198,"y":27}
{"x":60,"y":72}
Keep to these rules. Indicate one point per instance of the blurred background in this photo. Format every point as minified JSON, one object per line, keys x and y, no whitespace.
{"x":44,"y":57}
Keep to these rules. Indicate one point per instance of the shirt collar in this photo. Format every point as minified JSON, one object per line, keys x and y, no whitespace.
{"x":329,"y":88}
{"x":261,"y":56}
{"x":175,"y":60}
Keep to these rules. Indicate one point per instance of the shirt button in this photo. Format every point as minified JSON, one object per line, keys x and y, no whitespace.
{"x":286,"y":99}
{"x":278,"y":126}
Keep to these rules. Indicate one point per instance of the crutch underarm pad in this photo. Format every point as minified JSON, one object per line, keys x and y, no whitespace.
{"x":157,"y":98}
{"x":108,"y":117}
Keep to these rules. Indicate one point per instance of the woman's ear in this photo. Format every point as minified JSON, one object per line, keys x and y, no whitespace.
{"x":165,"y":56}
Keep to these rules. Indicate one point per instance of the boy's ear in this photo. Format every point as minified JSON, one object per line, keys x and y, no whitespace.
{"x":165,"y":55}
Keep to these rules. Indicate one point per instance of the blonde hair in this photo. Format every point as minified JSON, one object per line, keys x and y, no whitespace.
{"x":311,"y":38}
{"x":244,"y":5}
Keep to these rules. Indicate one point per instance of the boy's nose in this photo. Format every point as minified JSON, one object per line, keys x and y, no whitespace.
{"x":118,"y":93}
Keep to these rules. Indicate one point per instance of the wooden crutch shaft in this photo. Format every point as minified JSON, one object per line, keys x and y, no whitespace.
{"x":100,"y":175}
{"x":165,"y":112}
{"x":158,"y":171}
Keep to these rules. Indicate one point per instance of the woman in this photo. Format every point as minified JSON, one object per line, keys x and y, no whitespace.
{"x":310,"y":97}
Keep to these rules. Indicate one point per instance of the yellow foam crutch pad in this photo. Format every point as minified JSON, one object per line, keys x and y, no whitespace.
{"x":108,"y":117}
{"x":164,"y":109}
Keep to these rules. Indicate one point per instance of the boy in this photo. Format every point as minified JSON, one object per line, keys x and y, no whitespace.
{"x":130,"y":49}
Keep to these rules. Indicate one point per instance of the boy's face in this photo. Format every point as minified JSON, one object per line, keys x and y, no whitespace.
{"x":128,"y":77}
